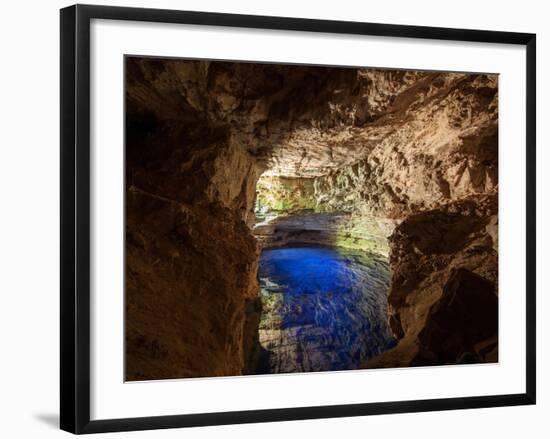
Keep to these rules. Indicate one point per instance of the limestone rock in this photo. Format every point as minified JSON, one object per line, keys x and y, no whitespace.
{"x":426,"y":249}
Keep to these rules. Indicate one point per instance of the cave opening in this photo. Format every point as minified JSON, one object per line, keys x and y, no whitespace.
{"x":323,"y":276}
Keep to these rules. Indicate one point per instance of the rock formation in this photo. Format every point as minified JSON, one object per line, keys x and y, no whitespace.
{"x":406,"y":155}
{"x":191,"y":258}
{"x":440,"y":256}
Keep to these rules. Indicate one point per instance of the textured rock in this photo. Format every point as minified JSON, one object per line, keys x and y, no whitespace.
{"x":309,"y":121}
{"x":292,"y":211}
{"x":191,"y":258}
{"x":283,"y":194}
{"x":181,"y":320}
{"x":333,"y":229}
{"x":426,"y":249}
{"x":464,"y":319}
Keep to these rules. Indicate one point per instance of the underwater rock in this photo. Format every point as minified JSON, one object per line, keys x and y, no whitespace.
{"x":323,"y":309}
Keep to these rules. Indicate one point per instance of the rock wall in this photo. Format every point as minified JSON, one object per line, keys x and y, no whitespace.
{"x":280,"y":195}
{"x":189,"y":279}
{"x":293,"y":211}
{"x":331,"y":229}
{"x":442,"y":147}
{"x":445,"y":273}
{"x":191,"y":259}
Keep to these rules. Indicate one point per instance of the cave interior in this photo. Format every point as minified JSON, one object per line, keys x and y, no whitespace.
{"x":294,"y":218}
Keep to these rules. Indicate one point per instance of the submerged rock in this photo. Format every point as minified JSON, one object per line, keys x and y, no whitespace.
{"x":324,"y":309}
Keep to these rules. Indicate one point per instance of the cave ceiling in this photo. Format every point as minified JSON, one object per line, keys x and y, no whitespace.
{"x":306,"y":121}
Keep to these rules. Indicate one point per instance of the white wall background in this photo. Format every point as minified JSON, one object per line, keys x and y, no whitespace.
{"x":29,"y":206}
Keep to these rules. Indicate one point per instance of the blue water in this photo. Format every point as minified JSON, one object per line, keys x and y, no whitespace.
{"x":323,"y":308}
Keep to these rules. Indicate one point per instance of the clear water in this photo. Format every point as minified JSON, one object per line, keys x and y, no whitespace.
{"x":323,"y":308}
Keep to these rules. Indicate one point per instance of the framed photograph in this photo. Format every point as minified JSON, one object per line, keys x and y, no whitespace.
{"x":268,"y":219}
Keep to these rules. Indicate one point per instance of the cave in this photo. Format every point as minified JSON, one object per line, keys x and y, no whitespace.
{"x":323,"y":275}
{"x":295,"y":218}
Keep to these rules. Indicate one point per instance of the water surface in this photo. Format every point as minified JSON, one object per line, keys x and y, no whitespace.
{"x":323,"y":308}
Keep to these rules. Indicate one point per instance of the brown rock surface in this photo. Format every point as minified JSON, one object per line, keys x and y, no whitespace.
{"x":181,"y":321}
{"x":332,"y":229}
{"x":465,"y":317}
{"x":191,"y":257}
{"x":427,"y":250}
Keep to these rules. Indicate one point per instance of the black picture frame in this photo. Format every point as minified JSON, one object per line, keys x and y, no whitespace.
{"x":75,"y":217}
